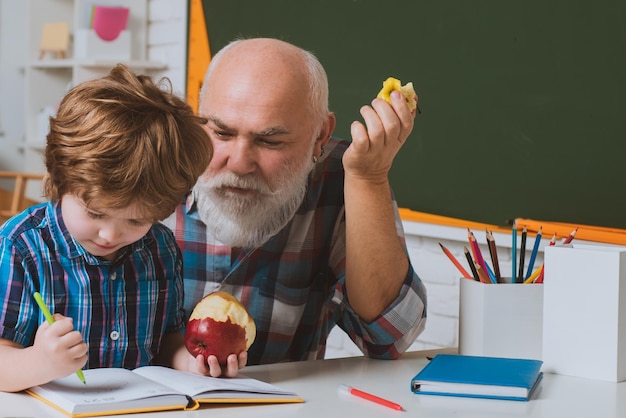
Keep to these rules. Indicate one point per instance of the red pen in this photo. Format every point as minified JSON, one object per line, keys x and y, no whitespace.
{"x":369,"y":397}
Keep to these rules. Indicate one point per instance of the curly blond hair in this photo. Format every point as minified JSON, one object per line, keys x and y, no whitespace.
{"x":122,"y":139}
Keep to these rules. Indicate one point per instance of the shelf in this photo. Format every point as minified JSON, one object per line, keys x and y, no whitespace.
{"x":33,"y":146}
{"x":147,"y":65}
{"x":58,"y":63}
{"x":50,"y":77}
{"x":97,"y":63}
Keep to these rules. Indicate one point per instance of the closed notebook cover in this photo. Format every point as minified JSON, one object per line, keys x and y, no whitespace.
{"x":476,"y":376}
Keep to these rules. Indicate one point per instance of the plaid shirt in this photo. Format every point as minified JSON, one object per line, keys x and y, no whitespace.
{"x":294,"y":284}
{"x":122,"y":309}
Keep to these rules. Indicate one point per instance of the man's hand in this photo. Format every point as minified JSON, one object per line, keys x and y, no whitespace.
{"x":376,"y":142}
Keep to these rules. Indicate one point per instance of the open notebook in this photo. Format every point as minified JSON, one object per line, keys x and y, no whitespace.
{"x":113,"y":391}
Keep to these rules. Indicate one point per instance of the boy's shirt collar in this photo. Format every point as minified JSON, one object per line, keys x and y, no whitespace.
{"x":67,"y":246}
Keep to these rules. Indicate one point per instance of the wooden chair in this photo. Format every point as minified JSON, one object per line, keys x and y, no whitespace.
{"x":14,"y":201}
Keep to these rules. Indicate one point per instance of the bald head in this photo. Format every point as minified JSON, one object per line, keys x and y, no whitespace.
{"x":275,"y":71}
{"x":262,"y":53}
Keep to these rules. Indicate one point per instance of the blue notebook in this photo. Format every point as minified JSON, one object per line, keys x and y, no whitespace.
{"x":479,"y":377}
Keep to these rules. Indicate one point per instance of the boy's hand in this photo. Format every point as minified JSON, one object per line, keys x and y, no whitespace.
{"x":213,"y":369}
{"x":60,"y":348}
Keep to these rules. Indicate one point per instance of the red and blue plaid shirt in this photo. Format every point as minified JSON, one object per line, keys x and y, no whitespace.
{"x":294,"y":284}
{"x":122,"y":309}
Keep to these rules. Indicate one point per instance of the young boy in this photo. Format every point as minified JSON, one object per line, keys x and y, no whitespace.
{"x":121,"y":154}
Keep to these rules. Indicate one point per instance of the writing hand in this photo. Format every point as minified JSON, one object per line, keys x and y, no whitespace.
{"x":61,"y":348}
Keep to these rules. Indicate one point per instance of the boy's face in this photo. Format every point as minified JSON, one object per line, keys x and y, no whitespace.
{"x":102,"y":232}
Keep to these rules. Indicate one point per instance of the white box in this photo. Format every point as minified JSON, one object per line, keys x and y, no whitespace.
{"x":500,"y":320}
{"x":88,"y":45}
{"x":584,"y":316}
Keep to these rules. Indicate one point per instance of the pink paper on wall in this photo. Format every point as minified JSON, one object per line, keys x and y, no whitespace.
{"x":108,"y":22}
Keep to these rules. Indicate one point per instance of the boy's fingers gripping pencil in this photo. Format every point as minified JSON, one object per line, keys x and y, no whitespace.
{"x":50,"y":320}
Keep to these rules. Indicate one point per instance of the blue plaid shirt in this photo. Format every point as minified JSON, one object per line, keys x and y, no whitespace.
{"x":294,"y":285}
{"x":122,"y":309}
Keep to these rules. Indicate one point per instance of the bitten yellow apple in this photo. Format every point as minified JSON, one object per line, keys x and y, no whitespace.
{"x":391,"y":84}
{"x":219,"y":325}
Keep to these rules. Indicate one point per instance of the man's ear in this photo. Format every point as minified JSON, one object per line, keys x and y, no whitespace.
{"x":325,"y":134}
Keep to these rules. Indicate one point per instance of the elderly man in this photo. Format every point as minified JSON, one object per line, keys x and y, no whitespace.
{"x":300,"y":226}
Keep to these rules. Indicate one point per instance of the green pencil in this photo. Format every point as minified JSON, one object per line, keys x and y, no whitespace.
{"x":50,"y":319}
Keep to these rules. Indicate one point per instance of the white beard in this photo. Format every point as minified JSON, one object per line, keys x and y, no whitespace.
{"x":251,"y":220}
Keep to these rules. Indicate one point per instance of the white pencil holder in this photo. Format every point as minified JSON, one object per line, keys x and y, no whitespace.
{"x":500,"y":320}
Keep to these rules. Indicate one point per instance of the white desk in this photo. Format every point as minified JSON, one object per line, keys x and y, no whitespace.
{"x":316,"y":381}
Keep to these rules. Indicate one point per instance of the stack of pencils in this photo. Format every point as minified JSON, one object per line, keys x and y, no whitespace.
{"x":483,"y":272}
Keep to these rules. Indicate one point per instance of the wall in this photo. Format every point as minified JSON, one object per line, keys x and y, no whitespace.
{"x":12,"y":60}
{"x":167,"y":40}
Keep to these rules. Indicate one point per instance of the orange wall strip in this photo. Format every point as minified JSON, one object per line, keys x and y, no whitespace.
{"x":591,"y":233}
{"x":198,"y":53}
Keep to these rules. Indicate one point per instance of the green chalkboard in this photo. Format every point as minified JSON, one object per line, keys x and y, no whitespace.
{"x":523,"y":110}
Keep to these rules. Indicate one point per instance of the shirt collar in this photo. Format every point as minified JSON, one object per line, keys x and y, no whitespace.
{"x":69,"y":247}
{"x":66,"y":244}
{"x":191,"y":201}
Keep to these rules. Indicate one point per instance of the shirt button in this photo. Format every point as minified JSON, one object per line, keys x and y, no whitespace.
{"x":114,"y":335}
{"x":113,"y":276}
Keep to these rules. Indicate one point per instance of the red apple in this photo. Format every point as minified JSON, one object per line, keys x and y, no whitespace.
{"x":219,"y":325}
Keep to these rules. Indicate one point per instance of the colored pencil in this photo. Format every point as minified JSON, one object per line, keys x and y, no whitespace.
{"x":482,"y":274}
{"x":540,"y":277}
{"x":514,"y":251}
{"x":522,"y":255}
{"x":455,"y":262}
{"x":570,"y":237}
{"x":490,"y":273}
{"x":552,"y":240}
{"x":479,"y":257}
{"x":468,"y":256}
{"x":491,"y":242}
{"x":533,"y":255}
{"x":535,"y":274}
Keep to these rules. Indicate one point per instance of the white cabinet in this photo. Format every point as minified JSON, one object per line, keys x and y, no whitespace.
{"x":48,"y":78}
